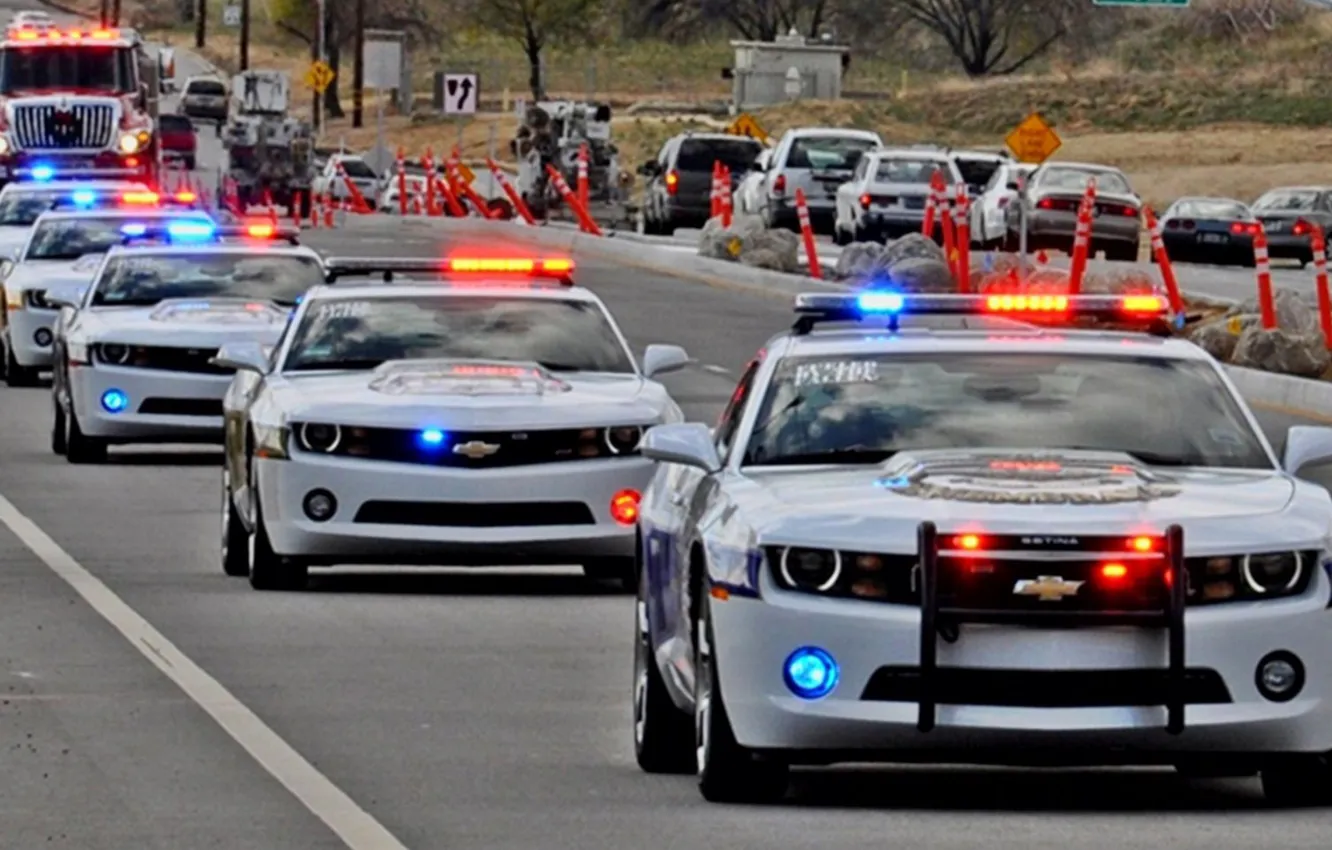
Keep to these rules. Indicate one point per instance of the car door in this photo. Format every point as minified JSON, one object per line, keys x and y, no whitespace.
{"x":988,"y":219}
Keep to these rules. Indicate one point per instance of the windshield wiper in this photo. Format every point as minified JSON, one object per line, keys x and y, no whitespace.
{"x":853,"y":455}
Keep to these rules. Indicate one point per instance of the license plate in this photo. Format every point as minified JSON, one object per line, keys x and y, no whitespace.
{"x":914,"y":203}
{"x":1213,"y":238}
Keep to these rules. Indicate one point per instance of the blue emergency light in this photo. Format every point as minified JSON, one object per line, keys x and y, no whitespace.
{"x":84,"y":197}
{"x":42,"y":172}
{"x":431,"y":438}
{"x":135,"y":228}
{"x":191,"y":230}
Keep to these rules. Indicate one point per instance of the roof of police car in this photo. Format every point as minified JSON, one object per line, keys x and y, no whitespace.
{"x":250,"y":247}
{"x":131,"y":213}
{"x":71,"y":185}
{"x":450,"y":286}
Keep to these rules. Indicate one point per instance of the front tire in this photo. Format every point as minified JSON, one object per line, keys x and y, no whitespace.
{"x":235,"y":541}
{"x":727,"y":772}
{"x":79,"y":447}
{"x":663,"y":734}
{"x":58,"y":429}
{"x":267,"y":569}
{"x":1302,"y":782}
{"x":15,"y":374}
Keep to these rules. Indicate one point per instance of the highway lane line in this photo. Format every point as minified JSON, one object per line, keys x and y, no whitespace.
{"x":352,"y":824}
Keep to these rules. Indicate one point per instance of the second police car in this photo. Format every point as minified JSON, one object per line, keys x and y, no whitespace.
{"x":491,"y":416}
{"x":969,"y":543}
{"x":133,"y":349}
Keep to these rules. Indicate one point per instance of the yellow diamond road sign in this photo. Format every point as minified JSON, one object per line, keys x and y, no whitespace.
{"x":1033,"y":141}
{"x":745,"y":125}
{"x":320,"y":76}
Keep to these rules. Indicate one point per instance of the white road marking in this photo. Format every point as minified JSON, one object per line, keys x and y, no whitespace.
{"x":352,"y":824}
{"x":716,"y":370}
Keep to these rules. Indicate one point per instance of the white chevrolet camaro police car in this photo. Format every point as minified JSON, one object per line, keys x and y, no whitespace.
{"x":63,"y":248}
{"x":133,"y":351}
{"x":491,"y":417}
{"x":22,"y":203}
{"x":965,"y":543}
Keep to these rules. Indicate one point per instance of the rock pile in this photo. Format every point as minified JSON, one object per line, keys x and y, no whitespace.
{"x":1294,"y":347}
{"x":748,"y":241}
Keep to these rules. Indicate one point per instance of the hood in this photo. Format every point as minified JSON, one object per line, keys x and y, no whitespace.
{"x":47,"y":274}
{"x":471,"y":395}
{"x":188,"y":322}
{"x":880,"y":506}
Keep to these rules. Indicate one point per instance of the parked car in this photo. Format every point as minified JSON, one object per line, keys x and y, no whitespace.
{"x":204,"y":98}
{"x":886,"y":195}
{"x":328,"y":183}
{"x":1054,"y":194}
{"x":678,"y":191}
{"x":989,"y":210}
{"x":1209,"y":230}
{"x":978,"y":166}
{"x":1288,"y":215}
{"x":180,"y":141}
{"x":815,"y":159}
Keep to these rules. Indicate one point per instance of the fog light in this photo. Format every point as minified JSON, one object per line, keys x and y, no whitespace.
{"x":42,"y":337}
{"x":810,"y":673}
{"x":114,"y":401}
{"x":320,"y":505}
{"x":1280,"y":676}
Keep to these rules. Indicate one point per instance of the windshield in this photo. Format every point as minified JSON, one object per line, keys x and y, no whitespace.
{"x":22,"y":208}
{"x":75,"y":68}
{"x":1288,"y":199}
{"x":1209,"y":209}
{"x":827,"y":152}
{"x":916,"y":171}
{"x":357,"y":168}
{"x":350,"y":333}
{"x":863,"y":409}
{"x":1075,"y":180}
{"x":976,"y":172}
{"x":699,"y":154}
{"x":206,"y":87}
{"x":142,"y":281}
{"x":71,"y":238}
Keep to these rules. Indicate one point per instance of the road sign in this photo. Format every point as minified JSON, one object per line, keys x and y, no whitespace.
{"x":231,"y":16}
{"x":320,"y":76}
{"x":466,"y":173}
{"x":1033,"y":140}
{"x":1175,"y":4}
{"x":460,"y":94}
{"x":745,"y":125}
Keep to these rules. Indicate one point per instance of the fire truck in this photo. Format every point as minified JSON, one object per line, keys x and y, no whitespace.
{"x":77,"y":103}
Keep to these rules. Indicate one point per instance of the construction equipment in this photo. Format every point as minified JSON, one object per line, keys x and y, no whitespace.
{"x":552,"y":133}
{"x":270,"y":154}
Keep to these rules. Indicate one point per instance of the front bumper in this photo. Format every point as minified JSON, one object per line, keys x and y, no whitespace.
{"x":394,"y":513}
{"x":162,"y":406}
{"x":28,"y":334}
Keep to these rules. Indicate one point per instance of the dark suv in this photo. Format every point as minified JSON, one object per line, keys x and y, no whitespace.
{"x":679,"y":181}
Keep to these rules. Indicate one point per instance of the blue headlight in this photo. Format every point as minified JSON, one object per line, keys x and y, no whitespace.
{"x":114,"y":401}
{"x":879,"y":302}
{"x":84,"y":198}
{"x":42,"y":172}
{"x":190,"y":230}
{"x":810,"y":673}
{"x":431,"y":438}
{"x":134,"y":229}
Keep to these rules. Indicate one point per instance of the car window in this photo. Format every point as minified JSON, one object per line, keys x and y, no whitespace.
{"x":1208,"y":208}
{"x":826,"y":152}
{"x":175,"y":123}
{"x":561,"y":335}
{"x":976,"y":172}
{"x":916,"y":170}
{"x":358,"y":168}
{"x":865,"y":408}
{"x":1303,"y":200}
{"x":206,"y":87}
{"x":145,"y":279}
{"x":71,"y":238}
{"x":56,"y":68}
{"x":700,"y":154}
{"x":730,"y":417}
{"x":1075,"y":179}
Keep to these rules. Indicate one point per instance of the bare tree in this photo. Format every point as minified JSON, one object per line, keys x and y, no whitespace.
{"x":534,"y":24}
{"x":991,"y":36}
{"x":757,"y":20}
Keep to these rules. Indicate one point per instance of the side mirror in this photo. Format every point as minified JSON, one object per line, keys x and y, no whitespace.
{"x":66,"y":295}
{"x":688,"y":443}
{"x":659,"y":359}
{"x":241,"y":356}
{"x":1306,"y":444}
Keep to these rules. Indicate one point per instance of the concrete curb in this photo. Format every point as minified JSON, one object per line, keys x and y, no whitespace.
{"x":1301,"y":397}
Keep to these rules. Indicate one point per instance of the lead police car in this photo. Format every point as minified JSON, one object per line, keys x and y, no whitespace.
{"x":22,"y":203}
{"x":490,"y":417}
{"x":132,"y":356}
{"x":980,"y":544}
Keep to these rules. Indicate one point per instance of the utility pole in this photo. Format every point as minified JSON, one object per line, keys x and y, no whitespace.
{"x":115,"y":13}
{"x":200,"y":23}
{"x":318,"y":112}
{"x":358,"y":70}
{"x":245,"y":36}
{"x":105,"y":15}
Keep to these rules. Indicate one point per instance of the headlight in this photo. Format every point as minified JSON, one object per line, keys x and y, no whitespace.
{"x":135,"y":141}
{"x":624,"y":440}
{"x":1246,"y":578}
{"x":810,"y":569}
{"x":846,"y":575}
{"x":112,"y":353}
{"x":270,"y":442}
{"x":316,"y":437}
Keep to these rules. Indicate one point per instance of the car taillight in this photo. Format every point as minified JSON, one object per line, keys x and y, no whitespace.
{"x":672,"y":181}
{"x":779,"y":184}
{"x":1056,"y":204}
{"x":865,"y":201}
{"x":1244,"y":228}
{"x":1301,"y":228}
{"x":1119,"y":209}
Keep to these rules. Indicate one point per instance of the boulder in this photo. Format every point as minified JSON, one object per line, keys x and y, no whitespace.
{"x":727,"y":243}
{"x":1219,"y":336}
{"x":909,"y":247}
{"x":776,"y":249}
{"x":1292,"y":311}
{"x":859,"y":260}
{"x":1119,"y":281}
{"x":1280,"y":350}
{"x":922,"y":274}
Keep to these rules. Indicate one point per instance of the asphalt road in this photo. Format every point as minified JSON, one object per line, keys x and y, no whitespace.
{"x":451,"y":710}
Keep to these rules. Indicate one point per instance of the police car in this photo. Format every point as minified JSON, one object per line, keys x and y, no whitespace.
{"x":968,"y":540}
{"x":22,"y":203}
{"x":491,"y":417}
{"x":133,"y":350}
{"x":64,"y":247}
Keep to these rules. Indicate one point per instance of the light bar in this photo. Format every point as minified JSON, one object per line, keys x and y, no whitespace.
{"x":29,"y":33}
{"x":264,"y":231}
{"x":178,"y":230}
{"x":1036,"y":307}
{"x":558,"y":270}
{"x":140,"y":198}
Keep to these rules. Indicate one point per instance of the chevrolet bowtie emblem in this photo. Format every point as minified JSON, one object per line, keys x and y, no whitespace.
{"x":475,"y":450}
{"x":1047,"y":588}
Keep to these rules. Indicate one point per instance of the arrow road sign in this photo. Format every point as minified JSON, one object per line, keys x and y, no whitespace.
{"x":460,"y":94}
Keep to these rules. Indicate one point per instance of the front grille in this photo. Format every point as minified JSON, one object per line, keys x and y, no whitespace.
{"x":475,"y":514}
{"x":1068,"y":586}
{"x":494,"y":449}
{"x":172,"y":359}
{"x":182,"y":406}
{"x":81,"y":126}
{"x":1046,"y":688}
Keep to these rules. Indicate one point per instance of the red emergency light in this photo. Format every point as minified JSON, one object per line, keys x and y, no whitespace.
{"x":67,"y":35}
{"x":498,"y":270}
